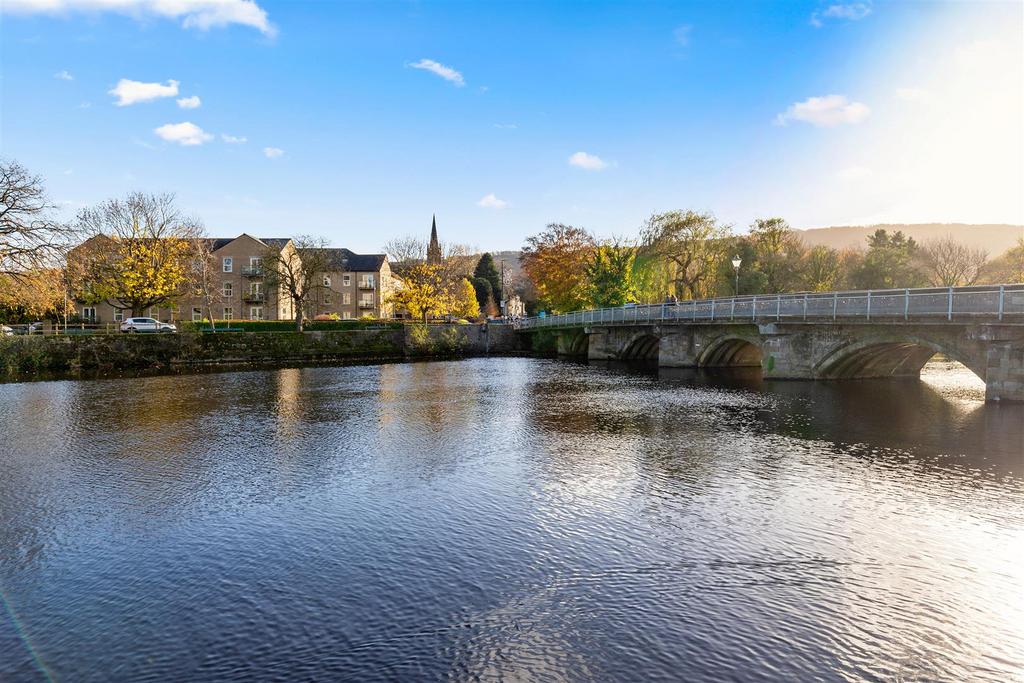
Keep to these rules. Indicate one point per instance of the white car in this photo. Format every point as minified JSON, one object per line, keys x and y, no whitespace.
{"x":6,"y":331}
{"x":146,"y":325}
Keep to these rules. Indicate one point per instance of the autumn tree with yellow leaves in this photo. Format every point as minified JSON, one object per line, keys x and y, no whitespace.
{"x":139,"y":252}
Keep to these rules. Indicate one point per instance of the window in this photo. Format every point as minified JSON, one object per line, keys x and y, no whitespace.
{"x":256,"y":288}
{"x":228,"y":264}
{"x":229,"y":290}
{"x":346,"y":316}
{"x":256,"y":313}
{"x":327,"y":280}
{"x":346,"y":298}
{"x":346,"y":280}
{"x":327,"y":298}
{"x":197,"y":315}
{"x":89,"y":313}
{"x":366,"y":281}
{"x":229,"y":313}
{"x":118,"y":315}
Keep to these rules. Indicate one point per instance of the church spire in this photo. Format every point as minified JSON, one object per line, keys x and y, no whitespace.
{"x":434,"y":248}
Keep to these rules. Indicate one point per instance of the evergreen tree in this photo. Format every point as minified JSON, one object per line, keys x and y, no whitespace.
{"x":485,"y":269}
{"x":483,"y":289}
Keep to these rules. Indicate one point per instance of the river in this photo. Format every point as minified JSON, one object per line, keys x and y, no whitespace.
{"x":509,"y":518}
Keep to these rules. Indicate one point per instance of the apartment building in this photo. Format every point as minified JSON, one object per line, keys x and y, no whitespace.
{"x":242,"y":293}
{"x":353,"y":286}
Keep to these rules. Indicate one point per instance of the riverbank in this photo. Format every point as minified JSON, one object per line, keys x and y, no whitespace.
{"x":27,"y":358}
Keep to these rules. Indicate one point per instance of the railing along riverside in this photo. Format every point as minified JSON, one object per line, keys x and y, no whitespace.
{"x":990,"y":302}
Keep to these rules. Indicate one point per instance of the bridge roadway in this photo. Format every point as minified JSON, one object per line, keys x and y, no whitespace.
{"x":826,"y":336}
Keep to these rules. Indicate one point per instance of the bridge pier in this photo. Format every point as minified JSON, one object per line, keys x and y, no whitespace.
{"x":1004,"y":371}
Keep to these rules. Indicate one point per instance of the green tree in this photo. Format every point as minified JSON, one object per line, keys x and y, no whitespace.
{"x":822,"y":269}
{"x":486,"y":270}
{"x":889,"y":262}
{"x":482,"y":287}
{"x":610,"y":275}
{"x":694,"y":244}
{"x":777,"y":254}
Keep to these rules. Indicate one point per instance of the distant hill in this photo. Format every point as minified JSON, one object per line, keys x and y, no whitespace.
{"x":994,"y":238}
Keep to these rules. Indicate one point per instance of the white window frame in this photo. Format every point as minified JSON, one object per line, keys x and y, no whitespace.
{"x":346,"y":280}
{"x":229,"y":313}
{"x":228,"y":264}
{"x":255,"y":313}
{"x":89,"y":313}
{"x":228,"y":290}
{"x":197,"y":314}
{"x":327,"y":280}
{"x":346,"y":315}
{"x":255,"y":262}
{"x":255,"y":287}
{"x":346,"y":299}
{"x":118,"y":315}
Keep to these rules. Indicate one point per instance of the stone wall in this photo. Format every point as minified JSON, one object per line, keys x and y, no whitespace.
{"x":32,"y":357}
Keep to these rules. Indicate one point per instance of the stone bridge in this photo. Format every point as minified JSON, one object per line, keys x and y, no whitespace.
{"x":832,"y":336}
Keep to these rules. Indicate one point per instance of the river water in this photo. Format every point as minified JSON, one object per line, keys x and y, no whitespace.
{"x":509,"y":518}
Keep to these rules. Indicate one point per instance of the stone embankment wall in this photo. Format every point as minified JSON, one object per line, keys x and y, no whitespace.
{"x":33,"y":357}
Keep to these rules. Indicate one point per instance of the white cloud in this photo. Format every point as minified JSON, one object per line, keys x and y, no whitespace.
{"x":130,"y":92}
{"x":199,"y":14}
{"x":63,"y":75}
{"x":492,"y":202}
{"x":854,"y":11}
{"x":233,"y":139}
{"x":190,"y":102}
{"x":682,"y":34}
{"x":186,"y":133}
{"x":854,"y":173}
{"x":589,"y":162}
{"x":506,"y":126}
{"x":827,"y":111}
{"x":272,"y":152}
{"x":445,"y":72}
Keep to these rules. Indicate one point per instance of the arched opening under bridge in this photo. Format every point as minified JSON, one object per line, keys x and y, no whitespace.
{"x":731,"y":352}
{"x":643,"y":347}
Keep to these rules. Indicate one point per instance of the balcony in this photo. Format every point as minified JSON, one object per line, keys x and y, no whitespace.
{"x":364,"y":284}
{"x":366,"y":304}
{"x":252,"y":271}
{"x":254,"y":297}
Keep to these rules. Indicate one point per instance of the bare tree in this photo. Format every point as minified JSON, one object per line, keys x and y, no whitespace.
{"x":205,"y":277}
{"x":296,"y":271}
{"x":139,"y":252}
{"x":949,"y":263}
{"x":405,"y":251}
{"x":30,"y":237}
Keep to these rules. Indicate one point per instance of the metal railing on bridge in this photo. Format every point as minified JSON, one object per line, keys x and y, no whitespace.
{"x":989,"y":302}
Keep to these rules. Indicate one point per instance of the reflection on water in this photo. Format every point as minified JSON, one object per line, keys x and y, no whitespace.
{"x":509,"y":518}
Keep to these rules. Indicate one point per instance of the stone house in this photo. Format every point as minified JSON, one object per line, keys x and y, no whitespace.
{"x":353,"y":286}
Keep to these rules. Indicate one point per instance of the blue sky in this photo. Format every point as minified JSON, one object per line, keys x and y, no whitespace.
{"x":360,"y":120}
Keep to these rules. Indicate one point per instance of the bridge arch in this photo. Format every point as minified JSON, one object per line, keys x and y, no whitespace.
{"x":902,"y":356}
{"x":642,"y":346}
{"x":731,"y":351}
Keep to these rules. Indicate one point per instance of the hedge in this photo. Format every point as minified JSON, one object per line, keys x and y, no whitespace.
{"x":289,"y":325}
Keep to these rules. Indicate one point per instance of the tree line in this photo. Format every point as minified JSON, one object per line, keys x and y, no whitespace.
{"x":691,"y":255}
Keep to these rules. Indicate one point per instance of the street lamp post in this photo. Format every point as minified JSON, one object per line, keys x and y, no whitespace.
{"x":736,"y":261}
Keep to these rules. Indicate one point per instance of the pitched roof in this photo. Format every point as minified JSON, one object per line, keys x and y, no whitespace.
{"x":221,"y":242}
{"x":344,"y":259}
